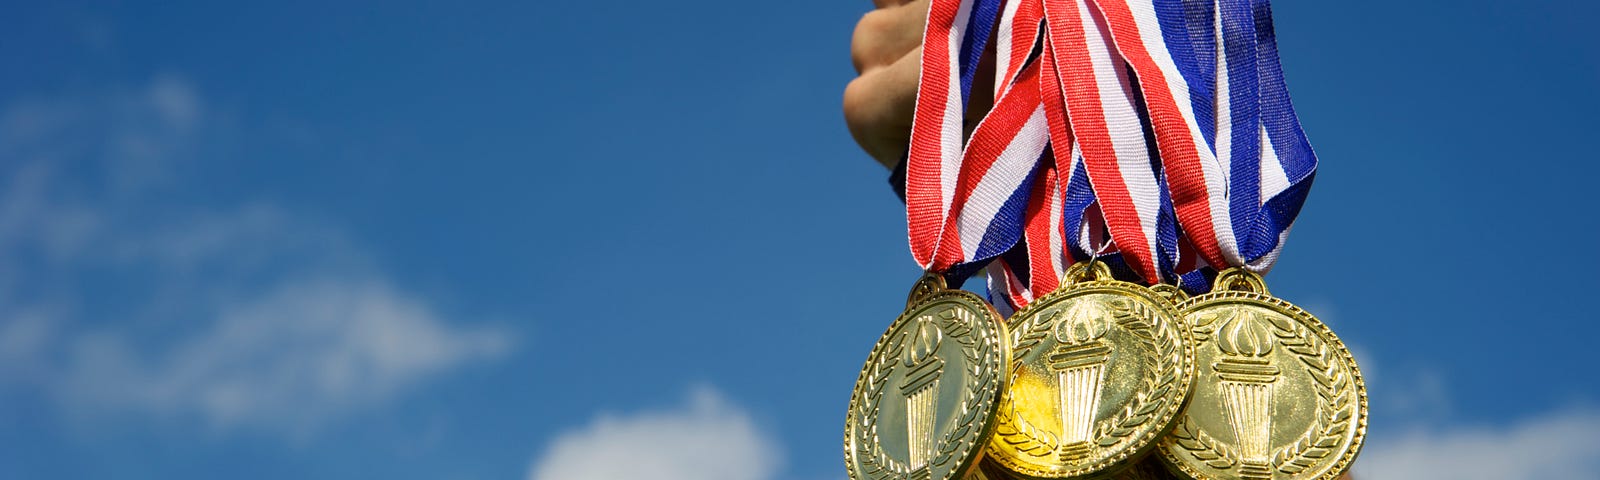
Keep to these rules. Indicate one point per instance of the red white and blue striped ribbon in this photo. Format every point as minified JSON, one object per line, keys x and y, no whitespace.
{"x":1103,"y":107}
{"x":1196,"y":182}
{"x":1218,"y":83}
{"x":1231,"y":166}
{"x":965,"y":200}
{"x":1287,"y":164}
{"x":1015,"y":41}
{"x":1164,"y":124}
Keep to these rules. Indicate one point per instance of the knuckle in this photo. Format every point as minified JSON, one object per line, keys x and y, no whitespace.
{"x":874,"y":22}
{"x":857,"y":102}
{"x":853,"y":97}
{"x":858,"y":58}
{"x":866,"y":40}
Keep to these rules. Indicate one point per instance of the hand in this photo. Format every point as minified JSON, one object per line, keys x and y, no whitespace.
{"x":887,"y":52}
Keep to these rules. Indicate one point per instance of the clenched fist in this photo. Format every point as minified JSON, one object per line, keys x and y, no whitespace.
{"x":886,"y":50}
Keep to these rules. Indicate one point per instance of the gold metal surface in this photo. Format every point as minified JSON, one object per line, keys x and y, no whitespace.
{"x":1171,"y":292}
{"x":1150,"y":468}
{"x":1278,"y":396}
{"x":989,"y":470}
{"x":1099,"y":370}
{"x":925,"y":400}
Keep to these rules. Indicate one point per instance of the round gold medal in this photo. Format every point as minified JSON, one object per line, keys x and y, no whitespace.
{"x":1099,"y":370}
{"x":925,"y":401}
{"x":1278,"y":395}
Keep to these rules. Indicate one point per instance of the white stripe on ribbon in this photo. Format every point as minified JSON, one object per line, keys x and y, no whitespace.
{"x":950,"y":134}
{"x":1224,"y":112}
{"x":1274,"y":180}
{"x":1010,"y":169}
{"x":1004,"y":46}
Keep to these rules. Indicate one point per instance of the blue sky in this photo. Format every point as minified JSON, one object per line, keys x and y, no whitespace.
{"x":551,"y":239}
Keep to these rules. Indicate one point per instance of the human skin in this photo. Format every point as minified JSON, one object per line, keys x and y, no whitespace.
{"x":886,"y":50}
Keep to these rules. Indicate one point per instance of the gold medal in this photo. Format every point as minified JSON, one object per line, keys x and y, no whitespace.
{"x":1099,"y":370}
{"x":1278,"y":395}
{"x":925,"y":401}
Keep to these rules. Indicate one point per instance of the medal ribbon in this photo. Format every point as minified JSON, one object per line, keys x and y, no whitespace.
{"x":1238,"y":200}
{"x":1180,"y":116}
{"x":964,"y":203}
{"x":1165,"y":123}
{"x":1103,"y":108}
{"x":1287,"y":166}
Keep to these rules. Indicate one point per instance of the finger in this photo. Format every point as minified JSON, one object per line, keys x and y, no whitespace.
{"x":878,"y":107}
{"x":884,"y":35}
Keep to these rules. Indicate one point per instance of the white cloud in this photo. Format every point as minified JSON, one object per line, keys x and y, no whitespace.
{"x":1561,"y":445}
{"x":175,"y":101}
{"x":116,"y":300}
{"x":1416,"y":434}
{"x":127,"y":139}
{"x":288,"y":359}
{"x":706,"y":439}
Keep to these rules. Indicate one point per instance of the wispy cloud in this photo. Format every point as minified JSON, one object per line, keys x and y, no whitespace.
{"x":241,"y":316}
{"x":1555,"y":445}
{"x":290,"y":358}
{"x":705,"y":439}
{"x":1424,"y":438}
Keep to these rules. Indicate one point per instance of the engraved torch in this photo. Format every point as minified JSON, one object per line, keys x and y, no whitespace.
{"x":1079,"y":362}
{"x":921,"y":392}
{"x":1247,"y":377}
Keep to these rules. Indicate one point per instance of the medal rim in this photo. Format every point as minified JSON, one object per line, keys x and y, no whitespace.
{"x":1314,"y":325}
{"x":975,"y":452}
{"x":1149,"y":441}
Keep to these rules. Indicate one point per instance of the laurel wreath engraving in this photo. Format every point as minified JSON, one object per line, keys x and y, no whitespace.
{"x":1190,"y":436}
{"x":873,"y":461}
{"x":1332,"y":415}
{"x":957,"y":323}
{"x":1202,"y":446}
{"x":1136,"y":317}
{"x":1203,"y":326}
{"x":1020,"y":434}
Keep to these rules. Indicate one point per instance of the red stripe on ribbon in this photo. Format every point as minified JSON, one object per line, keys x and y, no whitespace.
{"x":1024,"y":32}
{"x":1043,"y":230}
{"x":925,"y":202}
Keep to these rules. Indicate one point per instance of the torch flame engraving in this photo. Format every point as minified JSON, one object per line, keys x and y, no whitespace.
{"x":1079,"y":362}
{"x":1247,"y":379}
{"x":921,"y":392}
